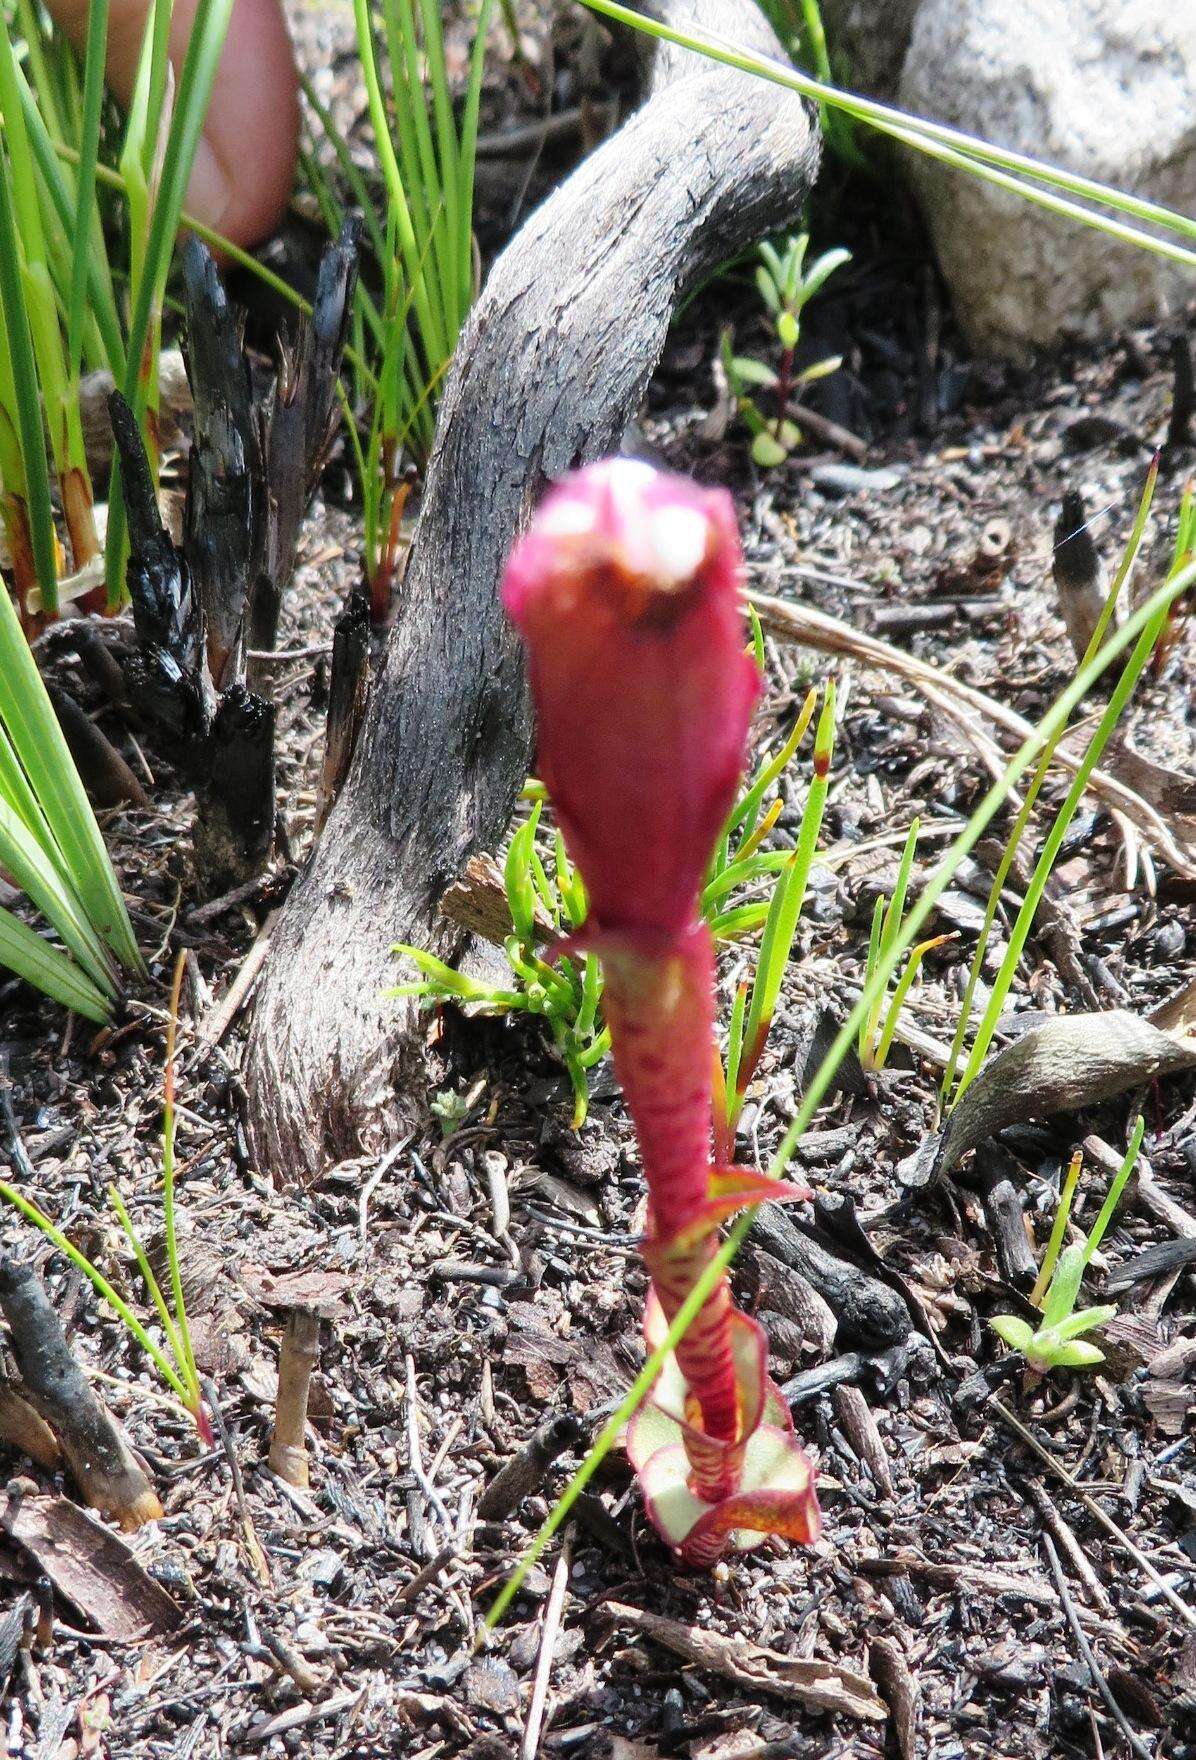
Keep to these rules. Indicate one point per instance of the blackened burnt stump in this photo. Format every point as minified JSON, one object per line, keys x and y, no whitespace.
{"x":554,"y":362}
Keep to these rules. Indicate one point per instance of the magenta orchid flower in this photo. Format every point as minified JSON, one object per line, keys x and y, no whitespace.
{"x":626,"y":591}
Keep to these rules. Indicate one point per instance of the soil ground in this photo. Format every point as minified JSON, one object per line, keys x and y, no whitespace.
{"x":957,"y":1569}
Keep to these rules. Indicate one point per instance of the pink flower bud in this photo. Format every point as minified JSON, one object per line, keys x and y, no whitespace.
{"x":626,"y":590}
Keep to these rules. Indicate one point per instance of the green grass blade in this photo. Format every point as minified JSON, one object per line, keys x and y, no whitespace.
{"x":27,"y":415}
{"x":1051,"y":1258}
{"x":1115,"y":1190}
{"x":99,"y":1283}
{"x":50,"y":971}
{"x":966,"y":152}
{"x":33,"y":728}
{"x":789,"y":895}
{"x":85,"y":183}
{"x":147,"y":1276}
{"x":29,"y":866}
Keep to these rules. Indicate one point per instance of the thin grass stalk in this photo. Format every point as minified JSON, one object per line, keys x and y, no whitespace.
{"x":784,"y":911}
{"x":59,"y":399}
{"x":1056,"y":718}
{"x":1009,"y":854}
{"x":1112,"y":1198}
{"x":29,"y":505}
{"x":147,"y":1276}
{"x":893,"y":1013}
{"x":1058,"y":1229}
{"x":168,"y":1129}
{"x":51,"y":158}
{"x":886,"y":920}
{"x":85,"y":182}
{"x":100,"y":1283}
{"x":1046,"y":861}
{"x":430,"y":331}
{"x":966,"y":152}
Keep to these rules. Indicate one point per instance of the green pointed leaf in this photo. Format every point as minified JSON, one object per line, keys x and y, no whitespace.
{"x":1015,"y":1333}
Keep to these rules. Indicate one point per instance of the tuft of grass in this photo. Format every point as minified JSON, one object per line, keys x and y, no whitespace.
{"x":880,"y":1026}
{"x":421,"y":235}
{"x":175,"y":1360}
{"x":60,"y":314}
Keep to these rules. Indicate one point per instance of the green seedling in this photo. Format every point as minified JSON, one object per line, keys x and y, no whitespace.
{"x":1059,"y":1342}
{"x":547,"y":904}
{"x":880,"y":1024}
{"x":748,"y":888}
{"x":764,"y":395}
{"x":175,"y":1360}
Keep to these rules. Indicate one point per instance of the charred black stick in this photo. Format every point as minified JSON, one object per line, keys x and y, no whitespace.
{"x":105,"y":775}
{"x":524,"y":1472}
{"x":101,"y":1461}
{"x":868,"y":1311}
{"x":300,"y":426}
{"x":235,"y":792}
{"x":225,"y":528}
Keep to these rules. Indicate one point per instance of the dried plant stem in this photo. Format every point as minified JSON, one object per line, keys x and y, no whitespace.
{"x":299,"y":1356}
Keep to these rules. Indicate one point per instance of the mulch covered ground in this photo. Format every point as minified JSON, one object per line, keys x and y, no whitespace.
{"x":477,"y":1284}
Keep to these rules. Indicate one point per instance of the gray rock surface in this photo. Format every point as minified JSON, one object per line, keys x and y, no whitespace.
{"x":1104,"y":87}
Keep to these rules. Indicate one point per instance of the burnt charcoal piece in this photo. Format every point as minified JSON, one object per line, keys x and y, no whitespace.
{"x":224,"y":527}
{"x":236,"y":795}
{"x":868,"y":1311}
{"x":300,"y":425}
{"x":1183,"y":401}
{"x":201,"y":609}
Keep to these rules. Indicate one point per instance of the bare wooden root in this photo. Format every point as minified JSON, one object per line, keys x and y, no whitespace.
{"x":554,"y":362}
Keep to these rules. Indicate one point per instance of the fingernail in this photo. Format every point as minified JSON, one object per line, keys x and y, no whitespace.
{"x":209,"y":191}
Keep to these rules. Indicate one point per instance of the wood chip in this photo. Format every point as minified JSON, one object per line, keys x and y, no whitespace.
{"x":888,"y":1668}
{"x":821,"y":1685}
{"x":90,"y":1566}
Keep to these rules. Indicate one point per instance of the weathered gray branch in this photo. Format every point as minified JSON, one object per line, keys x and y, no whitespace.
{"x":554,"y":362}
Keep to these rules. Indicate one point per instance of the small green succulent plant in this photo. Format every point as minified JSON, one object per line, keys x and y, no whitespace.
{"x":1059,"y":1342}
{"x":786,"y":287}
